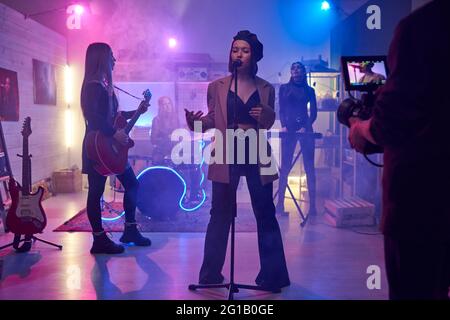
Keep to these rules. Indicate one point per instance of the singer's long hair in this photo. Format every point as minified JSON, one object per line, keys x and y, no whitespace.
{"x":97,"y":68}
{"x":254,"y":65}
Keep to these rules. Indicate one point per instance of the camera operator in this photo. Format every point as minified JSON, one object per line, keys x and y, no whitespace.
{"x":410,"y":120}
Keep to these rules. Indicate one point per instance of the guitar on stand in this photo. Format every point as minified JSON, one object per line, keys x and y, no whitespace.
{"x":26,"y":215}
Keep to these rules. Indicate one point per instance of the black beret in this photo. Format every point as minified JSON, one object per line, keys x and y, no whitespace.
{"x":252,"y":40}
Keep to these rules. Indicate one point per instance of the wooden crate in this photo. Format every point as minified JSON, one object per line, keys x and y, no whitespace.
{"x":67,"y":180}
{"x":349,"y":212}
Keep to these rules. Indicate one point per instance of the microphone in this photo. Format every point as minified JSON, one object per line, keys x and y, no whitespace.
{"x":237,"y":63}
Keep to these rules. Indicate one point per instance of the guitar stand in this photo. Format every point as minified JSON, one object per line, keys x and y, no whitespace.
{"x":29,"y":242}
{"x":304,"y":218}
{"x":232,"y":286}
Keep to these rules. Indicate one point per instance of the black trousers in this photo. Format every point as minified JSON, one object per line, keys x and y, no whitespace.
{"x":272,"y":260}
{"x":288,"y":144}
{"x":96,"y":189}
{"x":417,"y":270}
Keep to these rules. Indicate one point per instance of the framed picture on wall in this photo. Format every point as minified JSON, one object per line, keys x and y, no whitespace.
{"x":9,"y":95}
{"x":44,"y":83}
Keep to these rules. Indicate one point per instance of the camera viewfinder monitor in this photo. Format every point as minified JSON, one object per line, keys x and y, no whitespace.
{"x":364,"y":73}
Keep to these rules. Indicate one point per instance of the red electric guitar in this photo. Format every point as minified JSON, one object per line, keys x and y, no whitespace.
{"x":26,"y":215}
{"x":109,"y":156}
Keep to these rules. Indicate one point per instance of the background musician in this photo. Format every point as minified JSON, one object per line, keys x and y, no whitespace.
{"x":294,"y":98}
{"x":165,"y":122}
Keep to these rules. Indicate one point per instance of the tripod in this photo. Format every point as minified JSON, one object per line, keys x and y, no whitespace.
{"x":28,"y":240}
{"x":313,"y":136}
{"x":232,"y":286}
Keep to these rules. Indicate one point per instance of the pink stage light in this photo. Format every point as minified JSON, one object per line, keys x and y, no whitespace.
{"x":172,"y":43}
{"x":79,"y":9}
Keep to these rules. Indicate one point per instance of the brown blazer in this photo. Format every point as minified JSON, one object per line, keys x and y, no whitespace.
{"x":217,"y":118}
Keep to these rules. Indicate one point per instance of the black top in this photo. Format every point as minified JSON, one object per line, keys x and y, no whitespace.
{"x":294,"y":100}
{"x":98,"y":109}
{"x":243,"y":109}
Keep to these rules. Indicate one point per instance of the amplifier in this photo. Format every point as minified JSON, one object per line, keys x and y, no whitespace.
{"x":192,"y":74}
{"x":349,"y":212}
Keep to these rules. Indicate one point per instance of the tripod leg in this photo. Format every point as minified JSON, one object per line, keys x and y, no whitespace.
{"x":231,"y":293}
{"x":49,"y":243}
{"x":292,"y":194}
{"x":193,"y":287}
{"x":296,"y":204}
{"x":7,"y":245}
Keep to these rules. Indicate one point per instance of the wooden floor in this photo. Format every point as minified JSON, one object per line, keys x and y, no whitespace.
{"x":323,"y":262}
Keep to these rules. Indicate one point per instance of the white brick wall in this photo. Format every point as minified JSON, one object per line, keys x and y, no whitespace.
{"x":21,"y":41}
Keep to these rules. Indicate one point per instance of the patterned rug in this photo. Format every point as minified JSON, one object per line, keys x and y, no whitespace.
{"x":182,"y":221}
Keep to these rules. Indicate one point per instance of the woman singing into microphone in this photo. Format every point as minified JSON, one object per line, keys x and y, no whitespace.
{"x":254,"y":110}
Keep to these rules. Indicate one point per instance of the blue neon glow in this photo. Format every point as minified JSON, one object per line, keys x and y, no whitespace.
{"x":325,"y":6}
{"x":115,"y":218}
{"x":180,"y":202}
{"x":201,"y":146}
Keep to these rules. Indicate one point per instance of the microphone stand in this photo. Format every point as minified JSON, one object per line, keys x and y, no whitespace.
{"x":232,"y":286}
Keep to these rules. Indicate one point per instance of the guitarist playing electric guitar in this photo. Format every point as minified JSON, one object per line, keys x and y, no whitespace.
{"x":100,"y":109}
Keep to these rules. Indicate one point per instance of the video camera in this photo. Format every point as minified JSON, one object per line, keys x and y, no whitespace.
{"x":364,"y":74}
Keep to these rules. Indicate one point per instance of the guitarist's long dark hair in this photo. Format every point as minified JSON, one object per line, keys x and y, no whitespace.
{"x":97,"y":68}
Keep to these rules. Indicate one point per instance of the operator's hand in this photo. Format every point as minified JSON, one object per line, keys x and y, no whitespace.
{"x":359,"y":130}
{"x":301,"y":130}
{"x":191,"y":117}
{"x":121,"y":137}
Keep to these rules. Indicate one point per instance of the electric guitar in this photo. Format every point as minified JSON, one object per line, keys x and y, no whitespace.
{"x":109,"y":156}
{"x":26,"y":215}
